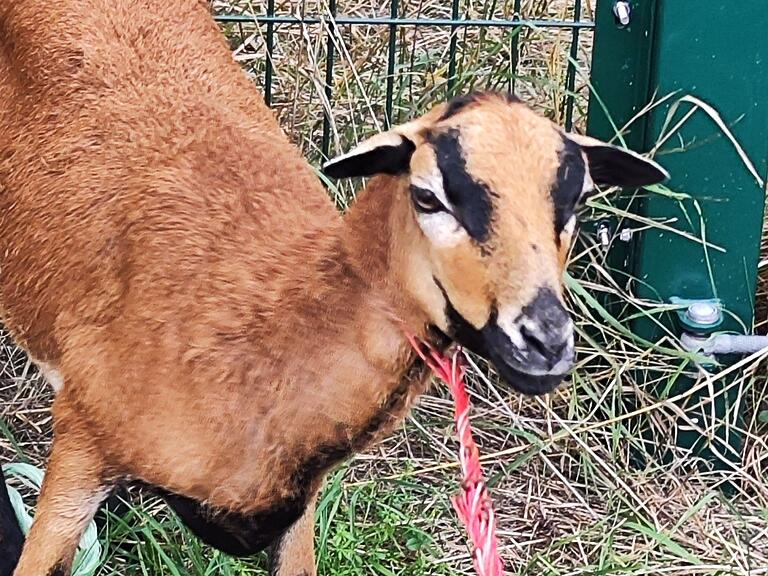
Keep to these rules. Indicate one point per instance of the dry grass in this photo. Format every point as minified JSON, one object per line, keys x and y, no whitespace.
{"x":571,"y":496}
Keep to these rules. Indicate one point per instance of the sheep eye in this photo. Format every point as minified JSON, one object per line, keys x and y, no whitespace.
{"x":425,"y":201}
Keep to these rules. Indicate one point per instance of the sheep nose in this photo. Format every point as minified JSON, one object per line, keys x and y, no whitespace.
{"x":547,"y":332}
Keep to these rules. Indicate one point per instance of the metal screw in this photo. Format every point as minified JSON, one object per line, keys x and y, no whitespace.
{"x":625,"y":235}
{"x":622,"y":10}
{"x":704,"y":313}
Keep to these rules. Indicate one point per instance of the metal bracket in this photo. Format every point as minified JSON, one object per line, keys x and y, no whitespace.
{"x":700,"y":318}
{"x":723,"y":343}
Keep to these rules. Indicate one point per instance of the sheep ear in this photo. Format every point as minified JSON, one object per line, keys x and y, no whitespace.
{"x":386,"y":153}
{"x":613,"y":166}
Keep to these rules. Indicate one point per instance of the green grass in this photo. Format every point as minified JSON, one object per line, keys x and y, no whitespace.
{"x":375,"y":528}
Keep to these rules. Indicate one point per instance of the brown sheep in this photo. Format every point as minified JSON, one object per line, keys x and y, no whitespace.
{"x":213,"y":327}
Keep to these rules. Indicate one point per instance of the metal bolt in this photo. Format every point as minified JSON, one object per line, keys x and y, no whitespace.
{"x":622,"y":10}
{"x":604,"y":235}
{"x":704,"y":313}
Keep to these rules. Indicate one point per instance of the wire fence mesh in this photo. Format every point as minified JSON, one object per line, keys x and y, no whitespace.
{"x":336,"y":69}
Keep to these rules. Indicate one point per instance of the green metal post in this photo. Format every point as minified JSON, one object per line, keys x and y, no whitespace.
{"x":621,"y":69}
{"x":716,"y":52}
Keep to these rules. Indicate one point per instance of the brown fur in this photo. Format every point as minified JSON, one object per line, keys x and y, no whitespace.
{"x":162,"y":241}
{"x":169,"y":253}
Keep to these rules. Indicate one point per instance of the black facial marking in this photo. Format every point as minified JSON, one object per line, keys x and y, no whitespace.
{"x":470,"y":198}
{"x":461,"y":330}
{"x":568,"y":187}
{"x":11,"y":536}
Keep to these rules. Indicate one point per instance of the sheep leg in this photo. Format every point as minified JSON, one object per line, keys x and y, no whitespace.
{"x":294,"y":553}
{"x":72,"y":491}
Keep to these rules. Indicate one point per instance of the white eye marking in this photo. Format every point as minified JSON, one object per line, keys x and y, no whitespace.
{"x":442,"y":229}
{"x":434,"y":183}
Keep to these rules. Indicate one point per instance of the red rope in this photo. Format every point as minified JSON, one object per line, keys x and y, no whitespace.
{"x":473,"y":505}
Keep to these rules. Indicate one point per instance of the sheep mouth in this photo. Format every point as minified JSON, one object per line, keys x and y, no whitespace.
{"x":492,"y":344}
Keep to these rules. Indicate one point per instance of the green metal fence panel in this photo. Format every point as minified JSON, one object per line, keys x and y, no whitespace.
{"x":673,"y":46}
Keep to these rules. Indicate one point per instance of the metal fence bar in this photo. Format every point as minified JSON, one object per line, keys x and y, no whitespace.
{"x":394,"y":10}
{"x":447,"y":22}
{"x":515,"y":47}
{"x":570,"y":75}
{"x":516,"y":24}
{"x":270,"y":51}
{"x":452,"y":49}
{"x":330,"y":56}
